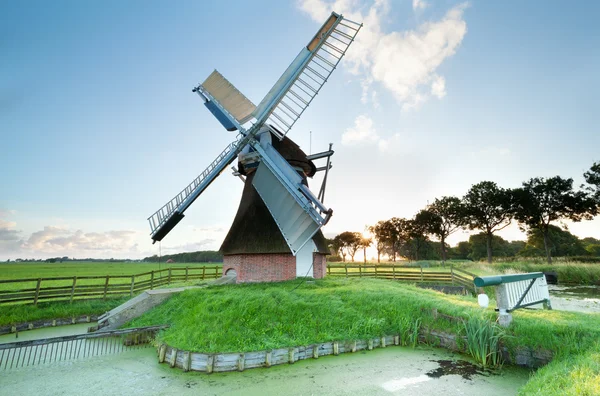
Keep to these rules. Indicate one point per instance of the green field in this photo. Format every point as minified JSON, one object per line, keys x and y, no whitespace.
{"x":27,"y":270}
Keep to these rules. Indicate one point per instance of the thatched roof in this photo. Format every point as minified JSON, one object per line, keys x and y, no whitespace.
{"x":253,"y":229}
{"x":292,"y":153}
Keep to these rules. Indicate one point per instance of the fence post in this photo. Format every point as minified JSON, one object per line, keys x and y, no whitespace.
{"x":105,"y":287}
{"x":151,"y":279}
{"x":360,"y":271}
{"x":37,"y":291}
{"x":452,"y":272}
{"x":186,"y":273}
{"x":394,"y":271}
{"x":169,"y":281}
{"x":421,"y":273}
{"x":346,"y":266}
{"x":375,"y":271}
{"x":203,"y":272}
{"x":132,"y":284}
{"x":73,"y":289}
{"x":216,"y":271}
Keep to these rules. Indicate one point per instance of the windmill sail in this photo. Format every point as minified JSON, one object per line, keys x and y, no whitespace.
{"x":307,"y":74}
{"x":167,"y":217}
{"x":297,"y":212}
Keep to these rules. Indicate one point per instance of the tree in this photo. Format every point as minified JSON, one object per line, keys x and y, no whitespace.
{"x":382,"y":235}
{"x":443,"y":217}
{"x":389,"y":231}
{"x":350,"y":243}
{"x":488,"y":208}
{"x":592,"y":176}
{"x":338,"y":246}
{"x":542,"y":201}
{"x":414,"y":234}
{"x":462,"y":251}
{"x":364,"y":243}
{"x":478,"y":246}
{"x":561,"y":243}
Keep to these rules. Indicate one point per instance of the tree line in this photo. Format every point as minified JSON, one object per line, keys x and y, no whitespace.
{"x":536,"y":205}
{"x":202,"y":256}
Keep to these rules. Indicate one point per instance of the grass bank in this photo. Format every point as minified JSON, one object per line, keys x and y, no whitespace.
{"x":260,"y":316}
{"x":13,"y":314}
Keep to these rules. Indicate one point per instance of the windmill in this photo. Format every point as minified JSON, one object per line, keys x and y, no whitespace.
{"x":277,"y":205}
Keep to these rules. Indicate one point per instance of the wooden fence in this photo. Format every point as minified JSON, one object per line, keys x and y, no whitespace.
{"x":451,"y":275}
{"x":90,"y":287}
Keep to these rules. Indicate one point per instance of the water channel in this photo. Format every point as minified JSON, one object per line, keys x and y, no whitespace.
{"x":389,"y":371}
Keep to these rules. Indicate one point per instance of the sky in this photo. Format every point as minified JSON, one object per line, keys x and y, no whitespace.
{"x":99,"y":126}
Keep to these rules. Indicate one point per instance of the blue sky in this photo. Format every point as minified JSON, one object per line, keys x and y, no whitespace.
{"x":100,"y":128}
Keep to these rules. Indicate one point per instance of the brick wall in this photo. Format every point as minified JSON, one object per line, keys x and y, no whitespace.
{"x":261,"y":267}
{"x":319,"y":265}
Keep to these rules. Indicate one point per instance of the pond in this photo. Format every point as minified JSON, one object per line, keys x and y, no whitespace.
{"x":392,"y":370}
{"x":576,"y":298}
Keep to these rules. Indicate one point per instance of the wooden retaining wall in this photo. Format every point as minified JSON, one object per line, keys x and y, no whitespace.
{"x":223,"y":362}
{"x":31,"y":291}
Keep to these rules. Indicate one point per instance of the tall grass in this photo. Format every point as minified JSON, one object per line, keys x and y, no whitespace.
{"x":409,"y":331}
{"x":483,"y":341}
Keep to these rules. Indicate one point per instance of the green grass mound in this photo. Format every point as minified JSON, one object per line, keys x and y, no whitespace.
{"x":241,"y":318}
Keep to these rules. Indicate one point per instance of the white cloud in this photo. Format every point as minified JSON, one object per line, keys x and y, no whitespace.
{"x":438,"y":87}
{"x":63,"y":241}
{"x":386,"y":144}
{"x":419,"y":5}
{"x":362,"y":131}
{"x":404,"y":62}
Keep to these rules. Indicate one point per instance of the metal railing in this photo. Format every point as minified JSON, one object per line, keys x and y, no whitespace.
{"x":74,"y":347}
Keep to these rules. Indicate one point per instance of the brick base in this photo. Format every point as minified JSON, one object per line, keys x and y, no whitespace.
{"x":269,"y":267}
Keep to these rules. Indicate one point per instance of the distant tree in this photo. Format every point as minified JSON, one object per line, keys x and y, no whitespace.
{"x":391,"y":231}
{"x":592,"y":246}
{"x":415,"y":234}
{"x":443,"y":217}
{"x":488,"y":208}
{"x":542,"y":201}
{"x":350,"y":242}
{"x":561,"y":243}
{"x":479,"y":243}
{"x":462,"y":251}
{"x":365,"y":242}
{"x":382,"y":235}
{"x":338,"y":247}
